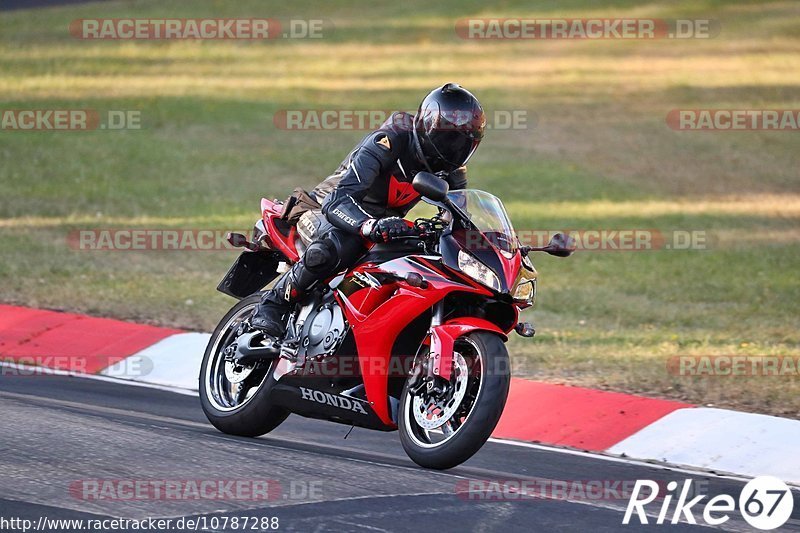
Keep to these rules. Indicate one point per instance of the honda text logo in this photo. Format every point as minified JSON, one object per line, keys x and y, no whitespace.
{"x":334,"y":400}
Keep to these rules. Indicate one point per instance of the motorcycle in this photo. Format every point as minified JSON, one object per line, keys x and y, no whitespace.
{"x":410,"y":339}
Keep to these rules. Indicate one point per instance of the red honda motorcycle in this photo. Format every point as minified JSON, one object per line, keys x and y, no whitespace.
{"x":409,"y":339}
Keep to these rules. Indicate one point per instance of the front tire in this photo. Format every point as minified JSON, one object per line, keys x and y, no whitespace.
{"x":482,"y":397}
{"x":238,"y":408}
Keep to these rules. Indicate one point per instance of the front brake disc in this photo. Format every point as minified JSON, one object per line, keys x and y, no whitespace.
{"x":434,"y":411}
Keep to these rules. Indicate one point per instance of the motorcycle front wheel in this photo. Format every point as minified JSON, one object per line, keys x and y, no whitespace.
{"x":235,"y":398}
{"x":441,"y":431}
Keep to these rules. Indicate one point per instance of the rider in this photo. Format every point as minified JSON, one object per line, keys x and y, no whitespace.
{"x":371,"y":191}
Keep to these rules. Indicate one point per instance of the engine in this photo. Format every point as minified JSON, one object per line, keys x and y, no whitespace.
{"x":322,"y":327}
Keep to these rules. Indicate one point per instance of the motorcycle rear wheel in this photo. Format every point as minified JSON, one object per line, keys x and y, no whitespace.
{"x":229,"y":406}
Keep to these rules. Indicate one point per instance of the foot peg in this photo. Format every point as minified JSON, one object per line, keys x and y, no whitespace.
{"x":255,"y":346}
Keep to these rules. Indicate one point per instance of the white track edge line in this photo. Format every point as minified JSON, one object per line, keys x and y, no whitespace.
{"x":556,"y":449}
{"x":99,"y":377}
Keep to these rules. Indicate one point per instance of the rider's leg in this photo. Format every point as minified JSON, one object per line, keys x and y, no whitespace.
{"x":272,"y":312}
{"x":335,"y":251}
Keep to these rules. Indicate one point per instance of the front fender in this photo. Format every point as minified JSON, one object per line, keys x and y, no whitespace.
{"x":443,"y":338}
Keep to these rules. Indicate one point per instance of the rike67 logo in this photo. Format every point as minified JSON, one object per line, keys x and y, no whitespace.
{"x":765,"y":503}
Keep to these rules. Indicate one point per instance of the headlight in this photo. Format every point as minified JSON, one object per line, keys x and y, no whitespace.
{"x":525,"y":290}
{"x":477,"y":270}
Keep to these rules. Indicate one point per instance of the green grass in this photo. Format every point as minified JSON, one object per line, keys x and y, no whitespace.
{"x":600,"y":157}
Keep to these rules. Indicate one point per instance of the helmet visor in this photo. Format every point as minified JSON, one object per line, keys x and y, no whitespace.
{"x":454,"y":147}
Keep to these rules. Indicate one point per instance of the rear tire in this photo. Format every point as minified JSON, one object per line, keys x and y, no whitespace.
{"x":256,"y":415}
{"x":470,"y":433}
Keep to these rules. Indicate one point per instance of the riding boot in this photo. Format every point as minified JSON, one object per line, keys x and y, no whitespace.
{"x":273,"y":311}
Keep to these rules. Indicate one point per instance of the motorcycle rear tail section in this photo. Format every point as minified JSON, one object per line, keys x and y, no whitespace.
{"x":250,"y":273}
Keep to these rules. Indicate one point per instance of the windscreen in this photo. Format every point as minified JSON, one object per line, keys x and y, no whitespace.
{"x":487,"y":213}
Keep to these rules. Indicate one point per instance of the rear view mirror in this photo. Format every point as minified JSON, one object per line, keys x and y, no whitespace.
{"x":560,"y":245}
{"x":430,"y":186}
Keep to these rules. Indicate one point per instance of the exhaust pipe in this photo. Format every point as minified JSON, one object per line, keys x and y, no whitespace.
{"x":249,"y":352}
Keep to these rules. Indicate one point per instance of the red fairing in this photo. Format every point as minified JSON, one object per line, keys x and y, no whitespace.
{"x":375,"y":335}
{"x":511,"y":267}
{"x":443,"y":337}
{"x":378,"y":316}
{"x":270,"y":206}
{"x":270,"y":212}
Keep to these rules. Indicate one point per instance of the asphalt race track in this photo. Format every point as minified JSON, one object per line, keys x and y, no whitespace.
{"x":56,"y":431}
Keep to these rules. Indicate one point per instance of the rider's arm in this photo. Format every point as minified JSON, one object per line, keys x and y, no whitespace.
{"x":342,"y":207}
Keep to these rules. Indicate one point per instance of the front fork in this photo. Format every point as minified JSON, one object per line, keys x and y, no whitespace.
{"x":441,"y":352}
{"x":432,"y":374}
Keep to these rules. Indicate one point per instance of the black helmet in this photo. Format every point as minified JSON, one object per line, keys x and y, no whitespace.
{"x":448,"y":127}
